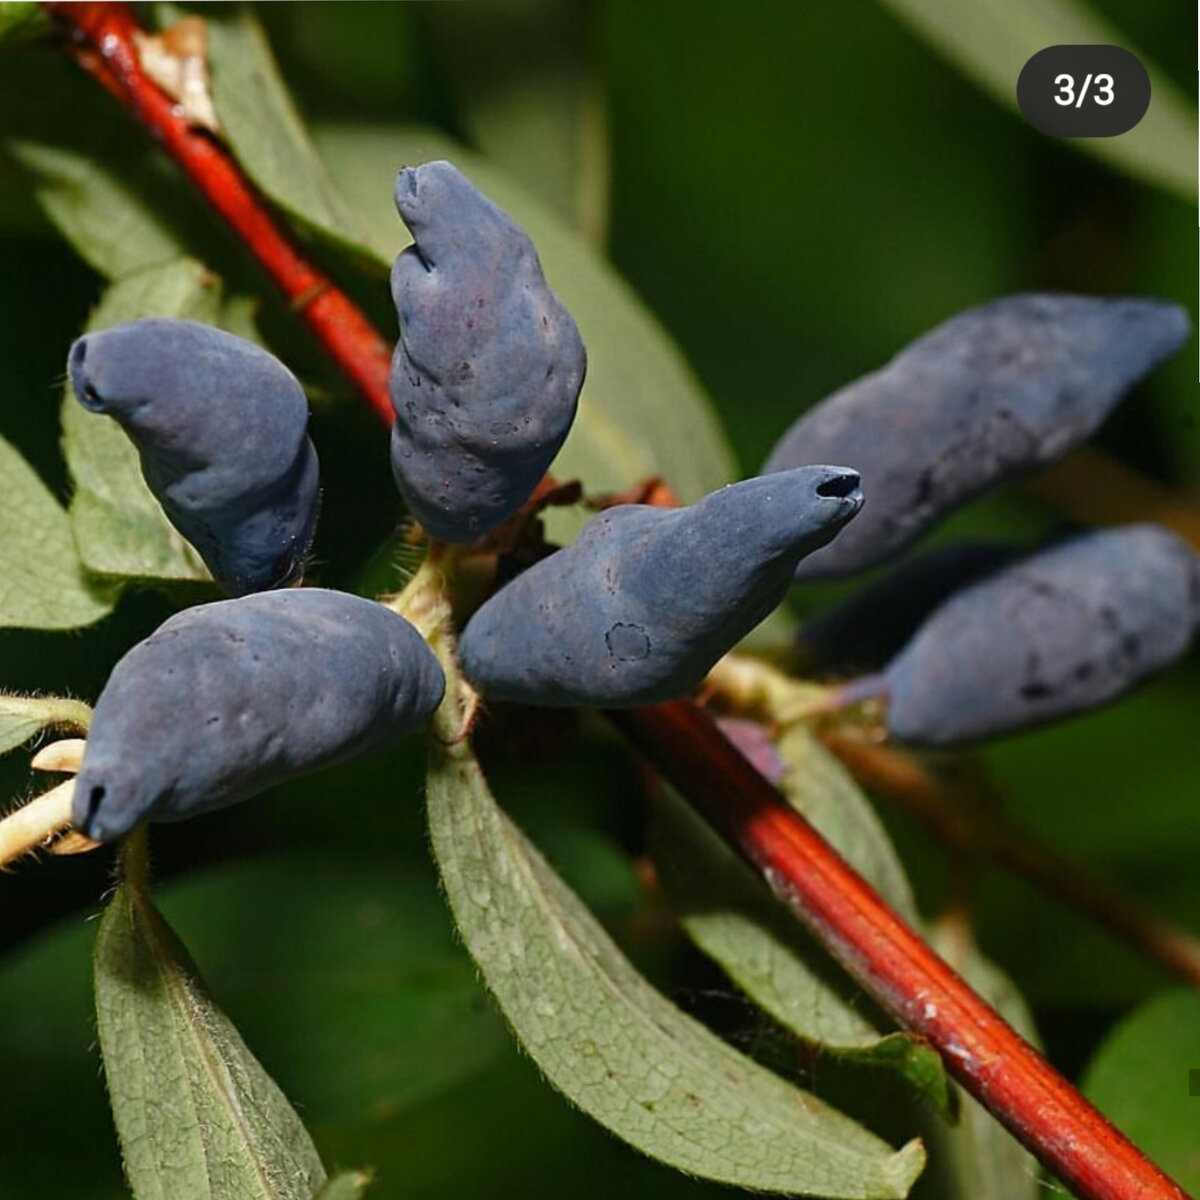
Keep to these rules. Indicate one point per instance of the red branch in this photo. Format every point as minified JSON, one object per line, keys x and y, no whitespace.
{"x":889,"y":960}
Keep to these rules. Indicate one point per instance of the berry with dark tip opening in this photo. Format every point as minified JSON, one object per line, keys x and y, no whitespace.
{"x":227,"y":699}
{"x":866,"y":630}
{"x":995,"y":392}
{"x":639,"y":607}
{"x":1058,"y":633}
{"x":221,"y":428}
{"x":487,"y":372}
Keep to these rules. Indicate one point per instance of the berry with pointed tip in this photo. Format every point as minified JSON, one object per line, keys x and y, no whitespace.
{"x":228,"y":699}
{"x":1058,"y":633}
{"x":995,"y":392}
{"x":638,"y":608}
{"x":221,"y":428}
{"x":487,"y":372}
{"x":874,"y":624}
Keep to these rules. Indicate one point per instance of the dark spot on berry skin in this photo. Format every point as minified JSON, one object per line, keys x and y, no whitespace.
{"x":925,"y":489}
{"x":627,"y":643}
{"x":1036,"y":691}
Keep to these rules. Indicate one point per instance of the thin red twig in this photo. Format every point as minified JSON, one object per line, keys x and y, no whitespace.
{"x":888,"y":959}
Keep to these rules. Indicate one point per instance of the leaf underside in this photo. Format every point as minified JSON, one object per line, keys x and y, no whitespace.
{"x":731,"y":916}
{"x":613,"y":1044}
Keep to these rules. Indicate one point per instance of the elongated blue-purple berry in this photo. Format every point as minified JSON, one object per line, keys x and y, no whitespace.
{"x":221,"y":429}
{"x":993,"y":393}
{"x":865,"y":631}
{"x":1058,"y":633}
{"x":227,"y":699}
{"x":487,"y":372}
{"x":639,"y":607}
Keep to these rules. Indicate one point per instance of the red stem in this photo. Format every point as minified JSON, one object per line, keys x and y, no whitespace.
{"x":889,"y":960}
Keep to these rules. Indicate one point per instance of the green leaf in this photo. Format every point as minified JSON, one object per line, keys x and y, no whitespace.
{"x":21,"y":717}
{"x":42,"y":582}
{"x":732,"y":917}
{"x":977,"y":1158}
{"x":350,"y":1185}
{"x":1146,"y":1079}
{"x":196,"y":1113}
{"x":991,"y":40}
{"x":99,"y":179}
{"x":642,"y":411}
{"x":611,"y":1043}
{"x":119,"y":526}
{"x":537,"y":109}
{"x":344,"y":974}
{"x":265,"y":132}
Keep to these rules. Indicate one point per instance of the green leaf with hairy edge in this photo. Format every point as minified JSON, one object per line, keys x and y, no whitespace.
{"x":264,"y":130}
{"x":350,"y":1185}
{"x":196,"y":1113}
{"x":344,"y":974}
{"x":991,"y":40}
{"x":1146,"y":1078}
{"x":119,"y":526}
{"x":537,"y":110}
{"x":21,"y":717}
{"x":732,"y":917}
{"x":608,"y":1040}
{"x":642,"y":412}
{"x":977,"y":1158}
{"x":43,"y":584}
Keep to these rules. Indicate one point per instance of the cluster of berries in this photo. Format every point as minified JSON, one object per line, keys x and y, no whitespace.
{"x":229,"y":698}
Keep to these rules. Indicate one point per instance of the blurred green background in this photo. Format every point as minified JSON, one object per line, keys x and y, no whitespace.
{"x":796,"y":191}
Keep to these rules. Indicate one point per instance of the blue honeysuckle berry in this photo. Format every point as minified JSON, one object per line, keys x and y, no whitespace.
{"x":1055,"y":634}
{"x":221,"y":428}
{"x":995,"y":392}
{"x":227,"y":699}
{"x":487,"y":372}
{"x":639,"y":607}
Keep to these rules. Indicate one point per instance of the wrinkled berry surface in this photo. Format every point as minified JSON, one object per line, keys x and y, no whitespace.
{"x":995,"y":392}
{"x":221,"y":429}
{"x":487,"y":372}
{"x":227,"y":699}
{"x":1058,"y":633}
{"x":642,"y":604}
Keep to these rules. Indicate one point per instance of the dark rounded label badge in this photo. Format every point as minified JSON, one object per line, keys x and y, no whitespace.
{"x":1083,"y":91}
